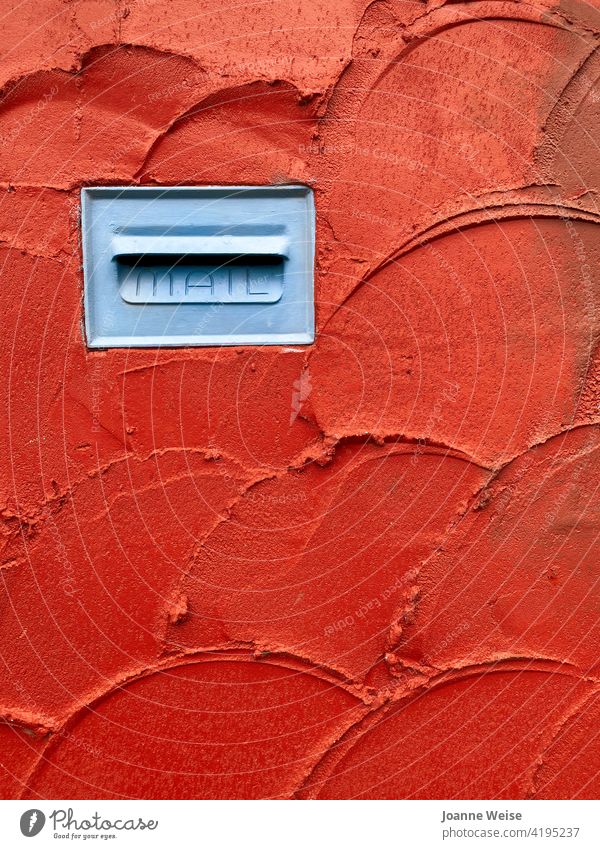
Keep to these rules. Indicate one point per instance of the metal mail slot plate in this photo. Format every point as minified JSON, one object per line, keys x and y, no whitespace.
{"x":180,"y":266}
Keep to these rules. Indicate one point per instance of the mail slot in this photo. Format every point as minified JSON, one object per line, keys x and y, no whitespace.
{"x":198,"y":266}
{"x":199,"y":279}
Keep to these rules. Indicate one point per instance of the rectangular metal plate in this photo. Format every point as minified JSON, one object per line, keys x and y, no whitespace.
{"x":198,"y":266}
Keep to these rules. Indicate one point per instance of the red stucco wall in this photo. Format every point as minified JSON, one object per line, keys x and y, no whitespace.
{"x":364,"y":568}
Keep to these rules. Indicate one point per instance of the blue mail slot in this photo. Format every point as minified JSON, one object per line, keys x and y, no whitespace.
{"x":192,"y":279}
{"x":198,"y":266}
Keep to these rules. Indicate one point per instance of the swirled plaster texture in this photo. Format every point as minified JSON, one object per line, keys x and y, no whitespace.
{"x":367,"y":568}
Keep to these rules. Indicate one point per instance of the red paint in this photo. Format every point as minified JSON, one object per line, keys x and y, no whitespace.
{"x":318,"y":572}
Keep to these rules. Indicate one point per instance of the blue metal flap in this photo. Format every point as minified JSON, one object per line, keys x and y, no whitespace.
{"x":211,"y":265}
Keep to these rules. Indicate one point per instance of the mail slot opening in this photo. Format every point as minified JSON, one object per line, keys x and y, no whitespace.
{"x":200,"y":278}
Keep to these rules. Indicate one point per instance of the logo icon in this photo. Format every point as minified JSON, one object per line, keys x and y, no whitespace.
{"x":32,"y":822}
{"x":301,"y":391}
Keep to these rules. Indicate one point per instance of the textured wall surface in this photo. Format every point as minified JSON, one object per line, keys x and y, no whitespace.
{"x":366,"y":568}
